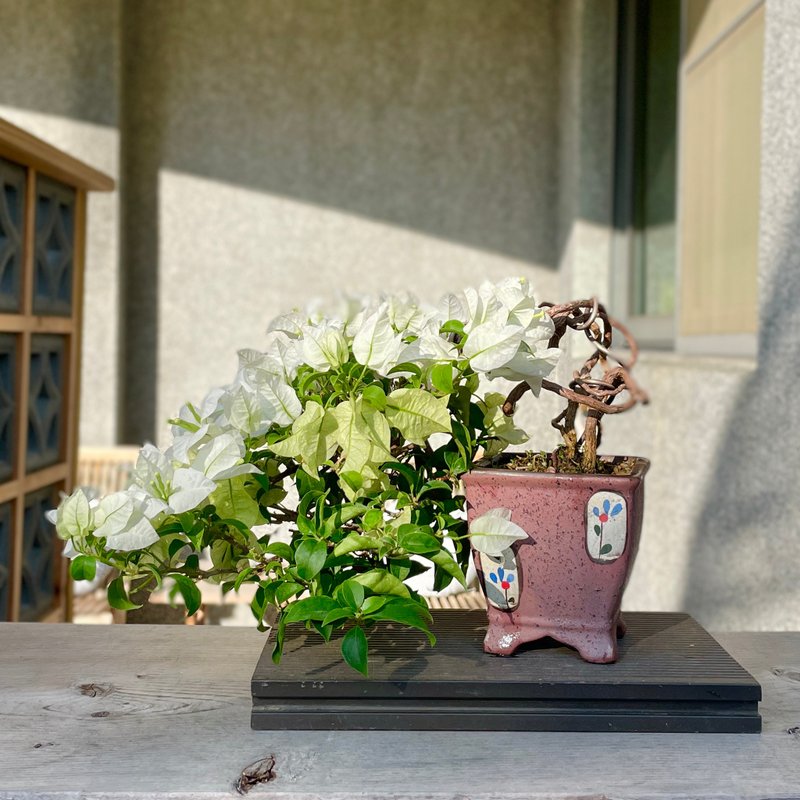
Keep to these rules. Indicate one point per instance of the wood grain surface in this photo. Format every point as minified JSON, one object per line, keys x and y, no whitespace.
{"x":124,"y":712}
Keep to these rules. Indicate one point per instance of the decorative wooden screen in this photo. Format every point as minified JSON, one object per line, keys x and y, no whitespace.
{"x":42,"y":235}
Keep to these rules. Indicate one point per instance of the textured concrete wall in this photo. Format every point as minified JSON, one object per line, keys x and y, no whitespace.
{"x":288,"y":149}
{"x":59,"y":79}
{"x":722,"y":537}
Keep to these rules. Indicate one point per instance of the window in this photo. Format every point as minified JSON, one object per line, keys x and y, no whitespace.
{"x":688,"y":167}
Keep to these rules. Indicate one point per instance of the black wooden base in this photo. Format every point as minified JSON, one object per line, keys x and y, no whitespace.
{"x":671,"y":676}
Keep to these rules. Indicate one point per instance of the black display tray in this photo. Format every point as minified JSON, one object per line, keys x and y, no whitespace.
{"x":671,"y":676}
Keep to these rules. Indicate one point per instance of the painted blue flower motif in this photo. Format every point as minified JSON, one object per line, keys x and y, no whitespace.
{"x":503,"y":578}
{"x":607,"y":512}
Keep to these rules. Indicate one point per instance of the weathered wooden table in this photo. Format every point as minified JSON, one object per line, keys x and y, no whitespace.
{"x":95,"y":712}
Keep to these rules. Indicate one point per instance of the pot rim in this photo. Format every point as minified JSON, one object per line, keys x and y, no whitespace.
{"x":639,"y":471}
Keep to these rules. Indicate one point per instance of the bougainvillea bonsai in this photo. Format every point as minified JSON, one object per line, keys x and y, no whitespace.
{"x":352,"y":430}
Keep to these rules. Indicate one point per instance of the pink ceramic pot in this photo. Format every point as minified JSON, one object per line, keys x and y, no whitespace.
{"x":566,"y":580}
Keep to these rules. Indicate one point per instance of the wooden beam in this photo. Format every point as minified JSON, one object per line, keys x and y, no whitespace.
{"x":73,"y":388}
{"x":17,"y":323}
{"x":23,"y":148}
{"x":23,"y":367}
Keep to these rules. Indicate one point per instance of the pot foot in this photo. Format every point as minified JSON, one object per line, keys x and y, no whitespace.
{"x":598,"y":648}
{"x":501,"y":642}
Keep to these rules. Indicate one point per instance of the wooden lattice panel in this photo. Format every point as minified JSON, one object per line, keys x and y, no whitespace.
{"x":42,"y":230}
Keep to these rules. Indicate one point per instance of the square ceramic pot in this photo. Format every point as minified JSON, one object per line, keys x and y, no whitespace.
{"x":567,"y":578}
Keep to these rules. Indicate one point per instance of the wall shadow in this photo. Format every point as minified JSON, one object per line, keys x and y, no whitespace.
{"x":744,"y":555}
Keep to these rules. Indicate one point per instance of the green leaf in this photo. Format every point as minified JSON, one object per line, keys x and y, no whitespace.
{"x":83,"y":568}
{"x":417,"y":414}
{"x":355,"y":480}
{"x":175,"y":546}
{"x":372,"y":519}
{"x":442,"y":378}
{"x":337,"y":615}
{"x":118,"y":596}
{"x":355,"y":541}
{"x":351,"y":594}
{"x":280,"y":549}
{"x":606,"y":548}
{"x":407,"y":366}
{"x":309,"y":608}
{"x":287,"y":589}
{"x":190,"y":593}
{"x":435,"y":486}
{"x":341,"y":515}
{"x":407,"y":613}
{"x":375,"y":396}
{"x":379,"y":581}
{"x":455,"y":462}
{"x":310,"y":558}
{"x":233,"y":501}
{"x":354,"y":649}
{"x":452,"y":326}
{"x":445,"y":562}
{"x":411,"y":478}
{"x":193,"y":560}
{"x":372,"y":604}
{"x":246,"y":573}
{"x":419,"y":541}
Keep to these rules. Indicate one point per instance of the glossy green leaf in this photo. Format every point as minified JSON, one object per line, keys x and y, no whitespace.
{"x":445,"y":562}
{"x":232,"y":500}
{"x":310,"y":558}
{"x":279,"y":549}
{"x":118,"y":596}
{"x":355,"y":541}
{"x":190,"y":593}
{"x":407,"y":613}
{"x":375,"y":396}
{"x":286,"y":590}
{"x":354,"y":649}
{"x":372,"y":604}
{"x":83,"y":568}
{"x":351,"y":594}
{"x":337,"y":615}
{"x":419,"y":542}
{"x":442,"y":378}
{"x":309,"y":608}
{"x":379,"y":581}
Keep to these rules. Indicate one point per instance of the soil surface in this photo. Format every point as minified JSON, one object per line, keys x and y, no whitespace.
{"x":559,"y":461}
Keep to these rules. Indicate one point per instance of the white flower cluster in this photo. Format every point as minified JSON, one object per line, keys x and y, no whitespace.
{"x":503,"y":334}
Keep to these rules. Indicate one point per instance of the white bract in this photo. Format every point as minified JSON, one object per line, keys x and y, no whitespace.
{"x":494,"y":532}
{"x":387,"y":376}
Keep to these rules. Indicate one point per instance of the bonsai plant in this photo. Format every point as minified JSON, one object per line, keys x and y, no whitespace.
{"x":560,"y":569}
{"x":369,"y":418}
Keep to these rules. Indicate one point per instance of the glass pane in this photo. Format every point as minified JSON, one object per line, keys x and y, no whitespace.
{"x":5,"y":558}
{"x":55,"y":239}
{"x":46,"y":400}
{"x":39,"y":555}
{"x":8,"y":348}
{"x":655,"y":167}
{"x":12,"y":213}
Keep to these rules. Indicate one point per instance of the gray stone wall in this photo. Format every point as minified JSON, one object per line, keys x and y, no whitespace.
{"x":286,"y":150}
